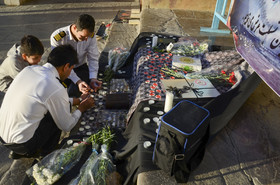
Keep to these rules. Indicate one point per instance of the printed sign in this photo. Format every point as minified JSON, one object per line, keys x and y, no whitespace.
{"x":256,"y":30}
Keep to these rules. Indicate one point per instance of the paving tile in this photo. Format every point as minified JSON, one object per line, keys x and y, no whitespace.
{"x":16,"y":173}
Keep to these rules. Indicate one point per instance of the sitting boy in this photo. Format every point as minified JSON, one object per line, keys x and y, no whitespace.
{"x":29,"y":52}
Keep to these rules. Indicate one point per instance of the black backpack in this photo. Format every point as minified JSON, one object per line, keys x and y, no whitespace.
{"x":181,"y":139}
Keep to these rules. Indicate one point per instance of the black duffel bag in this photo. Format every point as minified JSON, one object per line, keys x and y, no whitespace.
{"x":181,"y":139}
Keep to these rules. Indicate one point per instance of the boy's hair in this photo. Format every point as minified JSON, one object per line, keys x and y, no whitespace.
{"x":31,"y":45}
{"x":62,"y":55}
{"x":85,"y":21}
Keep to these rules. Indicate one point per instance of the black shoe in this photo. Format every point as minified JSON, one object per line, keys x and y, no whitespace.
{"x":14,"y":155}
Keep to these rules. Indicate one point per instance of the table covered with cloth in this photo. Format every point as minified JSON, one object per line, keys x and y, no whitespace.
{"x":147,"y":91}
{"x":146,"y":80}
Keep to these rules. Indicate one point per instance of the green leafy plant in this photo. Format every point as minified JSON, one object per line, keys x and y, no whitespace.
{"x":98,"y":167}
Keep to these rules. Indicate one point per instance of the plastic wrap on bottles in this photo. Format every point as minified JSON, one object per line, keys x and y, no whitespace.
{"x":99,"y":168}
{"x":52,"y":167}
{"x":187,"y":46}
{"x":117,"y":58}
{"x":85,"y":176}
{"x":103,"y":169}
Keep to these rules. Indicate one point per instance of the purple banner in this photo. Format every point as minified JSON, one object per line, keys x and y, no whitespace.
{"x":255,"y":25}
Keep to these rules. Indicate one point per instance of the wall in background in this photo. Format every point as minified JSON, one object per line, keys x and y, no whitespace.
{"x":196,"y":5}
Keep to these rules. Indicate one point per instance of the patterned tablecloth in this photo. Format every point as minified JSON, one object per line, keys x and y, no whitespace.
{"x":145,"y":83}
{"x":146,"y":77}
